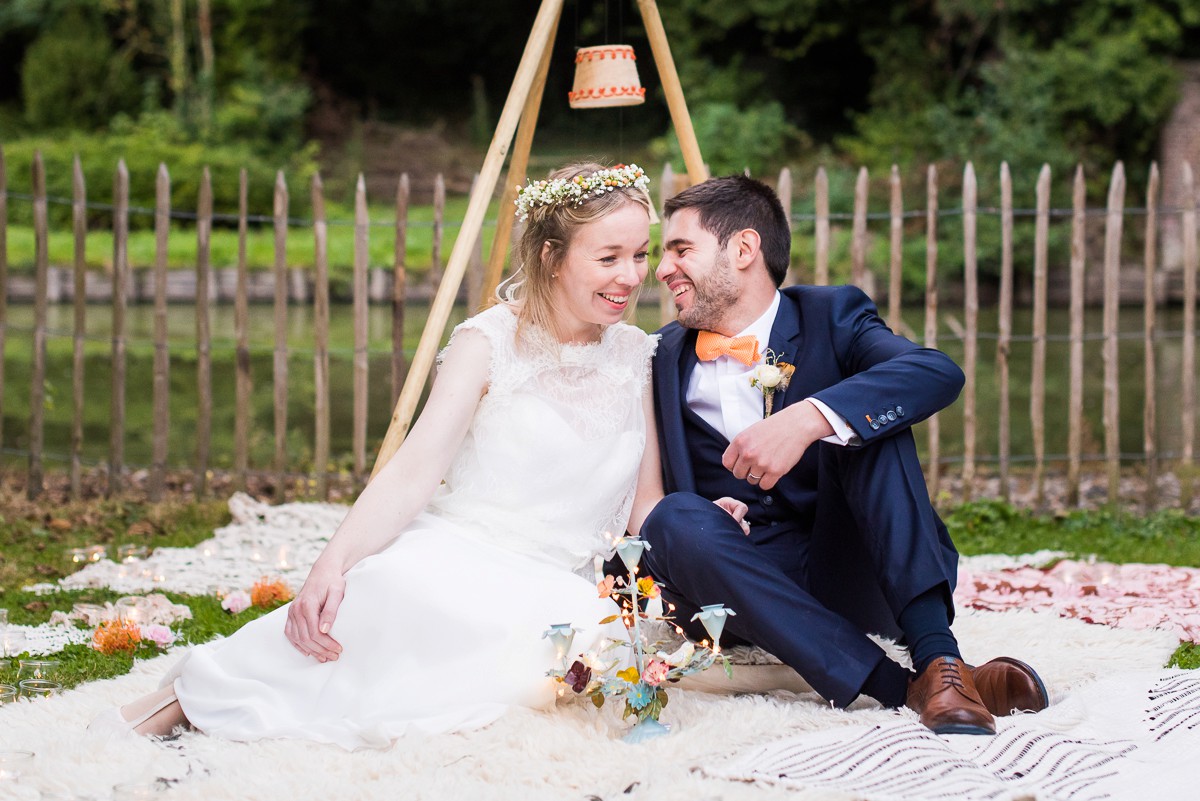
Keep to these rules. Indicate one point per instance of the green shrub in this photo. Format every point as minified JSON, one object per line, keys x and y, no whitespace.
{"x":152,"y":140}
{"x":757,"y":138}
{"x":72,"y":76}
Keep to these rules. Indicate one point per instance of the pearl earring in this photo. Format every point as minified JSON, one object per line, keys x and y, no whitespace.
{"x":554,"y":275}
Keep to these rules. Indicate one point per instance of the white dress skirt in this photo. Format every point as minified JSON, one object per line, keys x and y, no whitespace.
{"x":442,"y":630}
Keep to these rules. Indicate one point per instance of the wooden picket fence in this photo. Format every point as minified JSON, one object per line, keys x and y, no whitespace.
{"x":821,"y":219}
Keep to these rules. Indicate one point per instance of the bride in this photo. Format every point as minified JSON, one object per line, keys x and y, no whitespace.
{"x":425,"y":611}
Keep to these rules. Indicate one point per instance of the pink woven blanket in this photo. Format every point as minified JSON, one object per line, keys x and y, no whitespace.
{"x":1122,"y":596}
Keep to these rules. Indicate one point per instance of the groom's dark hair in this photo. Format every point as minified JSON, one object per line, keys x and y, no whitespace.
{"x":734,"y":203}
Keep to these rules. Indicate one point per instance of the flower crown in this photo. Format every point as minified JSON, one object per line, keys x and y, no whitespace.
{"x":578,"y":189}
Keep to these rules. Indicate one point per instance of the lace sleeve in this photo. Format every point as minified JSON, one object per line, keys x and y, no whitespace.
{"x":636,"y":350}
{"x":499,"y":325}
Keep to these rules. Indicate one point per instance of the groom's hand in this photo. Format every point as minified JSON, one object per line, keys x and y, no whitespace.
{"x":767,"y":450}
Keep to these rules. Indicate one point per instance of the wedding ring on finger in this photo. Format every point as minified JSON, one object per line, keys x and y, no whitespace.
{"x":753,"y":477}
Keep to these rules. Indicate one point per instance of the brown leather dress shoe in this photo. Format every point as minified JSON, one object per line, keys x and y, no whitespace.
{"x":1007,"y":685}
{"x":945,"y":697}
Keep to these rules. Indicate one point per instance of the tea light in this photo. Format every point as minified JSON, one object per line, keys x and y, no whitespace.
{"x":36,"y":668}
{"x":129,"y":609}
{"x":132,"y":553}
{"x":283,"y":557}
{"x":13,"y":643}
{"x":208,"y":550}
{"x":39,"y":688}
{"x":92,"y":614}
{"x":96,"y":552}
{"x":8,"y":693}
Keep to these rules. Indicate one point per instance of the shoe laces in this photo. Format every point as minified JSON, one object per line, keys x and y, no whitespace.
{"x":950,"y":674}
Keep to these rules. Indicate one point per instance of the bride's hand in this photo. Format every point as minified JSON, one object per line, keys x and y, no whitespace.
{"x":311,"y":614}
{"x":737,"y":510}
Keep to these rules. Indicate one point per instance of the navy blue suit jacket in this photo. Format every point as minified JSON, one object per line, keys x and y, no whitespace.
{"x":844,"y":355}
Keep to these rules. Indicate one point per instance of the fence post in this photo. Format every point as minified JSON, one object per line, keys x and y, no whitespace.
{"x":362,"y":234}
{"x":399,"y":286}
{"x":37,"y":390}
{"x":4,"y":285}
{"x":858,"y":243}
{"x":971,"y":316}
{"x":79,"y":302}
{"x":1037,"y":390}
{"x":280,"y":364}
{"x":896,"y":262}
{"x":783,"y":188}
{"x":321,"y":338}
{"x":162,"y":357}
{"x":241,"y":325}
{"x":1112,"y":302}
{"x":203,"y":333}
{"x":1004,"y":341}
{"x":120,"y":278}
{"x":1188,"y":423}
{"x":1150,"y":411}
{"x":931,"y":310}
{"x":474,"y":279}
{"x":821,"y":238}
{"x":1075,"y":393}
{"x":666,"y":303}
{"x":439,"y":230}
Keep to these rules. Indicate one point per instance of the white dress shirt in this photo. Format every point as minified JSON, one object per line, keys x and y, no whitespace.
{"x":721,"y":393}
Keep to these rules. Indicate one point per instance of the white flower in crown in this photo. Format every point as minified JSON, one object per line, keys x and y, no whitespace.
{"x":578,"y":189}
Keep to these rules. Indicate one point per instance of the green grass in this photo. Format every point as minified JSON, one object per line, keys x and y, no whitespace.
{"x":34,"y":537}
{"x":260,"y":242}
{"x":1168,"y":537}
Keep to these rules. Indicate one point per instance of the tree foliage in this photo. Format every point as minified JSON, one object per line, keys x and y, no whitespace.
{"x":877,"y":81}
{"x":72,"y":76}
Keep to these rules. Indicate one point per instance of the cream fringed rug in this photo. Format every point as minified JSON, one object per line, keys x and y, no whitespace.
{"x":727,"y":747}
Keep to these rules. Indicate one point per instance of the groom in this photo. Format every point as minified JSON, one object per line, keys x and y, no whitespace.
{"x":842,"y":538}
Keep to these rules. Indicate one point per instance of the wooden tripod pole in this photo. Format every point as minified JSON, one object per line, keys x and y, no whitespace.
{"x":439,"y":313}
{"x":517,"y":167}
{"x":674,"y":92}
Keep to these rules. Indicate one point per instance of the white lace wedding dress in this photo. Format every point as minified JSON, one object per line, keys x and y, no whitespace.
{"x":442,"y":630}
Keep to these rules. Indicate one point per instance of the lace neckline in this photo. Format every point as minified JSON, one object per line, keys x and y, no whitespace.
{"x":567,"y":352}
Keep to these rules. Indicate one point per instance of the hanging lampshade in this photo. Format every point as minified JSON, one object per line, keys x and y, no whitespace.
{"x":606,"y":76}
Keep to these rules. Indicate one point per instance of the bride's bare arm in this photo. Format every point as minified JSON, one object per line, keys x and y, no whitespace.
{"x":396,"y":495}
{"x":649,"y":482}
{"x":650,"y":486}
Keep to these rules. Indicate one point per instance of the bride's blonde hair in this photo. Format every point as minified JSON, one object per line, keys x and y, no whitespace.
{"x":532,"y":283}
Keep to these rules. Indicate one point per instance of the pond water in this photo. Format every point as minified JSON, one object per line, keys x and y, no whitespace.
{"x":181,"y":325}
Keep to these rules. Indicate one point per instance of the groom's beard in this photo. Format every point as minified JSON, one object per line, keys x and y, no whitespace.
{"x":711,"y":298}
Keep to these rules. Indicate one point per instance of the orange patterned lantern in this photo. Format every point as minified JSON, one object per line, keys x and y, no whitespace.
{"x":606,"y":76}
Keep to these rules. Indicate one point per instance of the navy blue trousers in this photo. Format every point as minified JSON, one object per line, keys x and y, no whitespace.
{"x":811,"y":597}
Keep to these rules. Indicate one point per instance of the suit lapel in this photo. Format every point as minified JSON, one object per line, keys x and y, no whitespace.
{"x":676,"y":359}
{"x":786,"y":341}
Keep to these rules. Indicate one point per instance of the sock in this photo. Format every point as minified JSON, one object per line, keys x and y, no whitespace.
{"x":888,"y":683}
{"x":926,"y":626}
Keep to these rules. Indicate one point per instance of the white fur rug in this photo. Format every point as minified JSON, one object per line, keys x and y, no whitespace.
{"x":572,"y":753}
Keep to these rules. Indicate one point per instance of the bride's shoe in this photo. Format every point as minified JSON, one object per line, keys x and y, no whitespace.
{"x":112,"y":722}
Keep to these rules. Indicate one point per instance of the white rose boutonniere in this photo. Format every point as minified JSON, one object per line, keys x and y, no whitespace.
{"x":770,"y":376}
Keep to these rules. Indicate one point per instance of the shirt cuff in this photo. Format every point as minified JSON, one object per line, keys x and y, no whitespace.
{"x":842,"y":434}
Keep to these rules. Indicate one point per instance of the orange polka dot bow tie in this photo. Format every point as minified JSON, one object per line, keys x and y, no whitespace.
{"x":710,"y":346}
